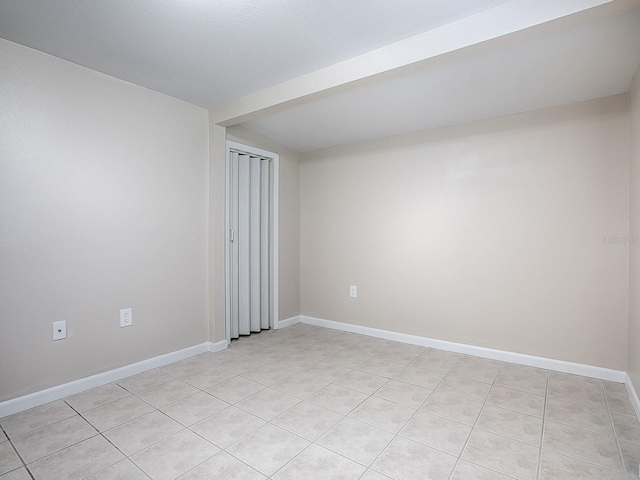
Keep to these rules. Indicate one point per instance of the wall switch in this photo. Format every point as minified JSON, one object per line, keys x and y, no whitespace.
{"x":126,"y":317}
{"x":353,"y":291}
{"x":59,"y":330}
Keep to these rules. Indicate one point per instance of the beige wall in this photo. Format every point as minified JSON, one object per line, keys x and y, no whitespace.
{"x":634,"y":226}
{"x":489,"y":234}
{"x":289,"y":217}
{"x":103,"y":200}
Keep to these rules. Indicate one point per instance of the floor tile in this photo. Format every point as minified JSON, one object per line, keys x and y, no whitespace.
{"x":116,"y":413}
{"x":523,"y":378}
{"x":338,"y":399}
{"x":594,"y":418}
{"x":631,"y":456}
{"x":77,"y":461}
{"x":300,"y":385}
{"x":576,"y":389}
{"x":403,"y":393}
{"x":174,"y":455}
{"x":382,"y":414}
{"x":517,"y":401}
{"x":502,"y":454}
{"x":19,"y":474}
{"x":437,"y":432}
{"x":194,"y":408}
{"x":224,"y":467}
{"x":559,"y":380}
{"x":470,"y":471}
{"x":437,"y":360}
{"x":614,"y":387}
{"x":559,"y":467}
{"x":581,"y":444}
{"x":208,"y":377}
{"x":518,"y":426}
{"x":123,"y":470}
{"x":182,"y":368}
{"x":142,"y":432}
{"x":145,"y":380}
{"x":420,"y":376}
{"x":35,"y":418}
{"x":626,"y":427}
{"x":328,"y":372}
{"x":50,"y":439}
{"x":268,"y":403}
{"x":362,"y":382}
{"x":620,"y":404}
{"x":235,"y":389}
{"x":268,"y":448}
{"x":324,"y":464}
{"x":407,"y":460}
{"x":381,"y":367}
{"x":410,"y":412}
{"x":236,"y":363}
{"x":373,"y":475}
{"x":307,"y":420}
{"x":454,"y":408}
{"x":463,"y":387}
{"x":96,"y":397}
{"x":350,"y":358}
{"x":401,"y":353}
{"x":356,"y":440}
{"x":227,"y":426}
{"x":268,"y":374}
{"x":9,"y":459}
{"x":476,"y":368}
{"x":167,"y":393}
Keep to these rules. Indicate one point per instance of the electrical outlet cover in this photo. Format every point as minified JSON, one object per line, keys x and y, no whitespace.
{"x":126,"y":317}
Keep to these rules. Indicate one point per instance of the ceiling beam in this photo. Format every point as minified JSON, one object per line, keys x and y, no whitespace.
{"x":519,"y":17}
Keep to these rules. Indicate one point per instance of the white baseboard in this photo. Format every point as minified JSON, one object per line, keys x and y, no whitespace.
{"x":633,"y":395}
{"x":218,"y":346}
{"x":288,"y":322}
{"x":502,"y":355}
{"x":35,"y":399}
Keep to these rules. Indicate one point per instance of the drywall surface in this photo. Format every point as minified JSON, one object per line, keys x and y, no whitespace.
{"x":103,"y":201}
{"x":634,"y":227}
{"x":495,"y":233}
{"x":289,"y":217}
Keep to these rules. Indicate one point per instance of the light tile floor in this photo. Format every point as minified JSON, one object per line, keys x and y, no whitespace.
{"x":312,"y":403}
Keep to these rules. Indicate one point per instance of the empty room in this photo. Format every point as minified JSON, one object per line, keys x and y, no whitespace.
{"x":353,"y":240}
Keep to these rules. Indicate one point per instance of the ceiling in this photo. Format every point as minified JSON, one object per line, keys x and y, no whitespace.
{"x":234,"y":53}
{"x":589,"y":61}
{"x":209,"y":52}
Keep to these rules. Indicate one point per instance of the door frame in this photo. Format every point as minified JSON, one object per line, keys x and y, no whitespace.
{"x":273,"y":280}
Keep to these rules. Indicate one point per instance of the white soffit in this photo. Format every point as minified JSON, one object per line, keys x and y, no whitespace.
{"x":592,"y":60}
{"x":211,"y":52}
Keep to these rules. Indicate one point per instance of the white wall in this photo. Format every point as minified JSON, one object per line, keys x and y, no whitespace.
{"x":103,"y":200}
{"x":634,"y":227}
{"x":489,"y":233}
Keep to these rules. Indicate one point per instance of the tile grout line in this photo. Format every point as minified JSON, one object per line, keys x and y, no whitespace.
{"x":544,"y":425}
{"x":473,"y":427}
{"x":415,"y":413}
{"x":615,"y":436}
{"x":24,"y":464}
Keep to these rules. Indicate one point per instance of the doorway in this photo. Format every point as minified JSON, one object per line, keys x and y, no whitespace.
{"x":251,"y":248}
